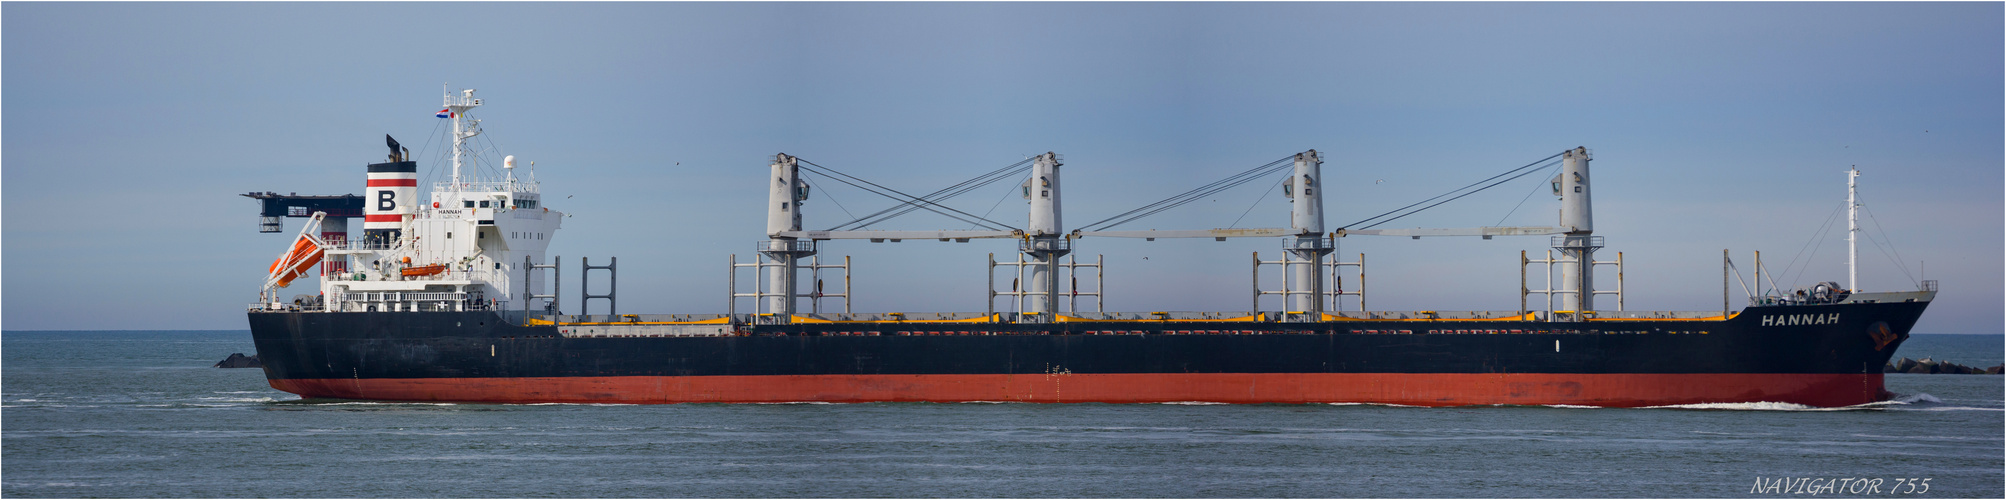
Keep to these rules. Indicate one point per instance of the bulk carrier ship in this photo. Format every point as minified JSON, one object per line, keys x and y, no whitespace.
{"x":451,"y":298}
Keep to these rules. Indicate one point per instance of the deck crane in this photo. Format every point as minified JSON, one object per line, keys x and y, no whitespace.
{"x":1575,"y":233}
{"x":1304,"y":239}
{"x":788,"y":244}
{"x":1307,"y":243}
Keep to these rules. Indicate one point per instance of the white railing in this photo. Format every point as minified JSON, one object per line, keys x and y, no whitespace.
{"x":406,"y":301}
{"x":489,"y":276}
{"x":402,"y":296}
{"x":485,"y":186}
{"x":360,"y":244}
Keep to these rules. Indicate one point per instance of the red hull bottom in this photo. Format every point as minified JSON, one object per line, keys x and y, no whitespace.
{"x":1416,"y":389}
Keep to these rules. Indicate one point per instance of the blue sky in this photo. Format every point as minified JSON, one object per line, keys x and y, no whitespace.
{"x":130,"y":128}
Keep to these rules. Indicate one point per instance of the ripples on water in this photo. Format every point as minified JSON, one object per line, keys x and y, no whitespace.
{"x":140,"y":414}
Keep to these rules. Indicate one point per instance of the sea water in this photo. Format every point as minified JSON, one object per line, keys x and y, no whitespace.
{"x":142,"y":414}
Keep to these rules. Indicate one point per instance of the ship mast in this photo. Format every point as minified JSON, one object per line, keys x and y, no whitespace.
{"x":1852,"y":229}
{"x":463,"y":127}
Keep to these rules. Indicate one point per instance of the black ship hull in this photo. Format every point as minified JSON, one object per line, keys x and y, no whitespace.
{"x":1822,"y":355}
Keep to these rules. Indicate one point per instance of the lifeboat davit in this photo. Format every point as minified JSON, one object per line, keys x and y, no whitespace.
{"x":303,"y":256}
{"x":424,"y":270}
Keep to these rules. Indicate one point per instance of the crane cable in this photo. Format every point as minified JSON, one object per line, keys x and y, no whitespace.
{"x":957,"y":189}
{"x":1541,"y":162}
{"x":1521,"y":203}
{"x":1460,"y":196}
{"x":832,"y":197}
{"x":1006,"y":196}
{"x":901,"y":196}
{"x":1257,"y":202}
{"x":1190,"y":196}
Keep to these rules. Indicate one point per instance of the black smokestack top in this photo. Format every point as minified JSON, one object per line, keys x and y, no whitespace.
{"x":393,"y":147}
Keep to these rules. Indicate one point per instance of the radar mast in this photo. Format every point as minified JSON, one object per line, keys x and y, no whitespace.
{"x":464,"y":127}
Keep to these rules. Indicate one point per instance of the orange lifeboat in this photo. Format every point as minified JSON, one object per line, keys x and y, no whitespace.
{"x":424,"y":270}
{"x":304,"y":255}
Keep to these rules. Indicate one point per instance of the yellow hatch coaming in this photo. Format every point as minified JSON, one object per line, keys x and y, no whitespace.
{"x":1327,"y":317}
{"x":1708,"y":318}
{"x":545,"y":322}
{"x":1242,"y":319}
{"x":994,"y":318}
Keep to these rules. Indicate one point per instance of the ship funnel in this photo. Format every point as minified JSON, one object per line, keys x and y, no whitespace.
{"x":392,"y":198}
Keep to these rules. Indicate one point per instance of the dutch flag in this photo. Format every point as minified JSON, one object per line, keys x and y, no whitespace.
{"x":446,"y":113}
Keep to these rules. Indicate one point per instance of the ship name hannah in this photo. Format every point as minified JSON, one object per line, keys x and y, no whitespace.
{"x":1800,"y":319}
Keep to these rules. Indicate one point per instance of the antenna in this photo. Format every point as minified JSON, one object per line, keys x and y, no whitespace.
{"x":464,"y":127}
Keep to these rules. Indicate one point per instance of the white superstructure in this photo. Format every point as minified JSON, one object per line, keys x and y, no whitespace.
{"x":463,"y":248}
